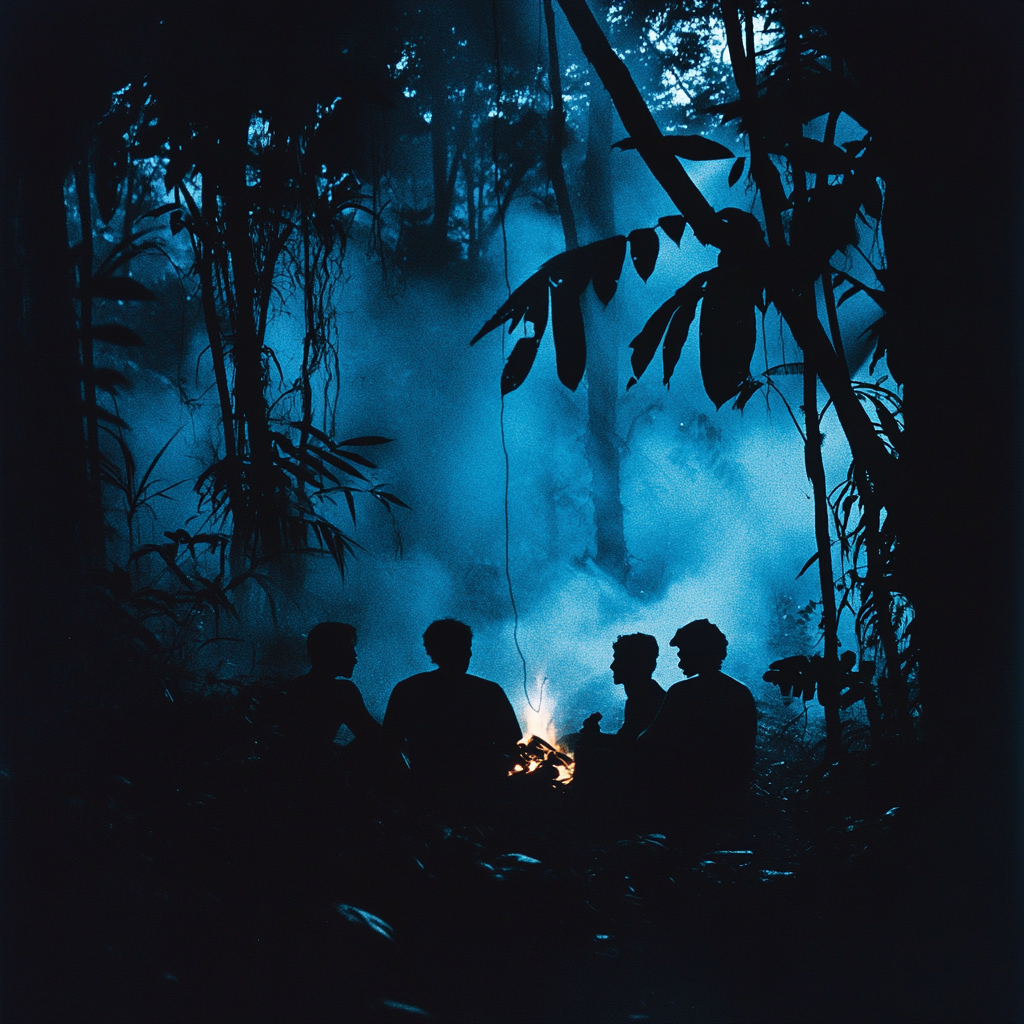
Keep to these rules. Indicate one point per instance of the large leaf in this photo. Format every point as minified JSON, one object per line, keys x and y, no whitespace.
{"x":116,"y":334}
{"x":570,"y":339}
{"x":727,"y":335}
{"x":673,"y":226}
{"x":736,"y":170}
{"x":519,"y":364}
{"x":689,"y":295}
{"x":646,"y":343}
{"x":817,"y":157}
{"x":606,"y":265}
{"x":689,"y":147}
{"x":124,"y":289}
{"x":110,"y":380}
{"x":643,"y":249}
{"x":529,"y":301}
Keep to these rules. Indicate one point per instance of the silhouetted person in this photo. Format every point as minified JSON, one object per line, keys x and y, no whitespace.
{"x":453,"y":729}
{"x":601,"y":758}
{"x":699,"y":750}
{"x":325,"y":698}
{"x":635,"y":659}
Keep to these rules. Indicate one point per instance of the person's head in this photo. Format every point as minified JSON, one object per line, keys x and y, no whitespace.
{"x":449,"y":644}
{"x":332,"y":648}
{"x":635,"y":657}
{"x":702,"y":646}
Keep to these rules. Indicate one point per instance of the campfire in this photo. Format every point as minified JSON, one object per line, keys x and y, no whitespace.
{"x":539,"y":750}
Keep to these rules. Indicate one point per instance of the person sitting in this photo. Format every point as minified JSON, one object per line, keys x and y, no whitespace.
{"x":318,"y":703}
{"x":701,"y":745}
{"x":635,"y":659}
{"x":599,"y":755}
{"x":452,"y":728}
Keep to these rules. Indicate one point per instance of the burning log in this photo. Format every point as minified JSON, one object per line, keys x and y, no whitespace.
{"x":537,"y":755}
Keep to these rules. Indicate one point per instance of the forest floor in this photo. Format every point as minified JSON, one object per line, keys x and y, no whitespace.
{"x":201,"y":885}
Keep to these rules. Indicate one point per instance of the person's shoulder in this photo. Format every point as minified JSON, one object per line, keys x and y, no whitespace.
{"x":734,"y":685}
{"x":487,"y":685}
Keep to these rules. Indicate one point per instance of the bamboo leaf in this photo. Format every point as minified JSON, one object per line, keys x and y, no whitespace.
{"x":810,"y":561}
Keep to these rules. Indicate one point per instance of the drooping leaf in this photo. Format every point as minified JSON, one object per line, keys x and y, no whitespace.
{"x":529,"y":301}
{"x":365,"y":919}
{"x":748,"y":389}
{"x":810,"y":561}
{"x":569,"y":335}
{"x":678,"y":330}
{"x":736,"y":171}
{"x":643,"y":249}
{"x":125,"y":289}
{"x":359,"y":442}
{"x":116,"y":334}
{"x":697,"y":147}
{"x":818,"y":157}
{"x":646,"y":343}
{"x":110,"y":380}
{"x":103,"y":416}
{"x":727,"y":335}
{"x":785,"y":369}
{"x":519,"y":364}
{"x":159,"y":211}
{"x":689,"y":147}
{"x":673,"y":226}
{"x":608,"y":257}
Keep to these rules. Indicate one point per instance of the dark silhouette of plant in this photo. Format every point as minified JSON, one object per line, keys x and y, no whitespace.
{"x":804,"y":227}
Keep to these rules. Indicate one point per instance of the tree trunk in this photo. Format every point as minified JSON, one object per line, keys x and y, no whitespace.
{"x":603,"y":452}
{"x":828,"y":690}
{"x":95,"y":540}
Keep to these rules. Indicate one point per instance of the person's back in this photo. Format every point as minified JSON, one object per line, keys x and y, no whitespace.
{"x":318,"y":703}
{"x":451,"y":727}
{"x":701,"y":746}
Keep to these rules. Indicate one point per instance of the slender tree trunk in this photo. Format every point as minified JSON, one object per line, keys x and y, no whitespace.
{"x":250,"y":400}
{"x":556,"y":134}
{"x":828,"y":686}
{"x":92,"y":433}
{"x":603,"y":453}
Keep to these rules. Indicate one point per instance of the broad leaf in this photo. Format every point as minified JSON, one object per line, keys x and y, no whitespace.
{"x":646,"y":343}
{"x":817,"y":157}
{"x":570,"y":339}
{"x":529,"y":301}
{"x":519,"y":364}
{"x":689,"y":295}
{"x":124,"y":289}
{"x":358,"y":442}
{"x":608,"y":257}
{"x":689,"y":147}
{"x":748,"y":389}
{"x":736,"y":171}
{"x":116,"y":334}
{"x":727,"y":335}
{"x":673,"y":226}
{"x":110,"y":380}
{"x":643,"y":249}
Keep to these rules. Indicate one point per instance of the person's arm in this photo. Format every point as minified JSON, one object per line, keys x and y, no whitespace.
{"x":509,"y":732}
{"x":393,"y":727}
{"x":363,"y":725}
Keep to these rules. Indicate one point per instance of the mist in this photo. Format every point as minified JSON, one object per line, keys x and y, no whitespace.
{"x":717,"y":508}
